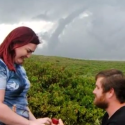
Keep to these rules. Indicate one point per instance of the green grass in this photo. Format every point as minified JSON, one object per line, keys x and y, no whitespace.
{"x":85,"y":67}
{"x":46,"y":75}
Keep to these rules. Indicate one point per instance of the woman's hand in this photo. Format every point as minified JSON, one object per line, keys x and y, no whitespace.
{"x":40,"y":121}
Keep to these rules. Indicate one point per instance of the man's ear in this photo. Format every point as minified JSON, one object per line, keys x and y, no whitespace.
{"x":111,"y":93}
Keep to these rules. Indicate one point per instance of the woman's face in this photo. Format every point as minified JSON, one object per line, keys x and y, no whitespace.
{"x":24,"y":52}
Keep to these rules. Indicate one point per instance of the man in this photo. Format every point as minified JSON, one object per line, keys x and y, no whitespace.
{"x":110,"y":96}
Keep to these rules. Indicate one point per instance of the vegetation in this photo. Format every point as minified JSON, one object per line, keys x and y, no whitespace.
{"x":62,"y":88}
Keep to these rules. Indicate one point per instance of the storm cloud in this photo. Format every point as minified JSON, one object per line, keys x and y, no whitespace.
{"x":80,"y":29}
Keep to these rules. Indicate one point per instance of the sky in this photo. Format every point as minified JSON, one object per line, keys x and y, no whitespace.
{"x":81,"y":29}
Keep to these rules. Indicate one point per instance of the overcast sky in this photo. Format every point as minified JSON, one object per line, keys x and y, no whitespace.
{"x":86,"y":29}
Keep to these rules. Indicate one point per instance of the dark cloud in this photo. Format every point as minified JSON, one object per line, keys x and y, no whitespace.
{"x":98,"y":36}
{"x":13,"y":10}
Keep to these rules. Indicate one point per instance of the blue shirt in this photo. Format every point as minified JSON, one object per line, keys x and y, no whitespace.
{"x":16,"y":85}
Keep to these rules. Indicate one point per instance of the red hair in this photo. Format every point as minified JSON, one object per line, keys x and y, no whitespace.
{"x":18,"y":37}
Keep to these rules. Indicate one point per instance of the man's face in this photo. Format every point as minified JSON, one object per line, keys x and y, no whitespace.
{"x":100,"y":97}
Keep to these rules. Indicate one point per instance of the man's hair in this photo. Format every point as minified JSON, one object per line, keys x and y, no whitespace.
{"x":113,"y":78}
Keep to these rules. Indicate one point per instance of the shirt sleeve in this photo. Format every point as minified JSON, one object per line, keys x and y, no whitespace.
{"x":3,"y":77}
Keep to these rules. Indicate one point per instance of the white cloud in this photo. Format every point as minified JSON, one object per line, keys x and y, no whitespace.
{"x":37,"y":26}
{"x":84,"y":14}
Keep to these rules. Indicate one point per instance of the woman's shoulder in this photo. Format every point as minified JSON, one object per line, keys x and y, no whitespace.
{"x":3,"y":69}
{"x":2,"y":63}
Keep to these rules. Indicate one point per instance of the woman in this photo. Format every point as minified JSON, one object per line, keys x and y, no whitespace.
{"x":14,"y":84}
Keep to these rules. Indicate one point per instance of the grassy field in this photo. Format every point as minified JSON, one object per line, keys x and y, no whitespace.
{"x":62,"y":87}
{"x":85,"y":67}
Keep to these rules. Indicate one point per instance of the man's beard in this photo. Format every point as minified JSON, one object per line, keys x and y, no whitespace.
{"x":101,"y":102}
